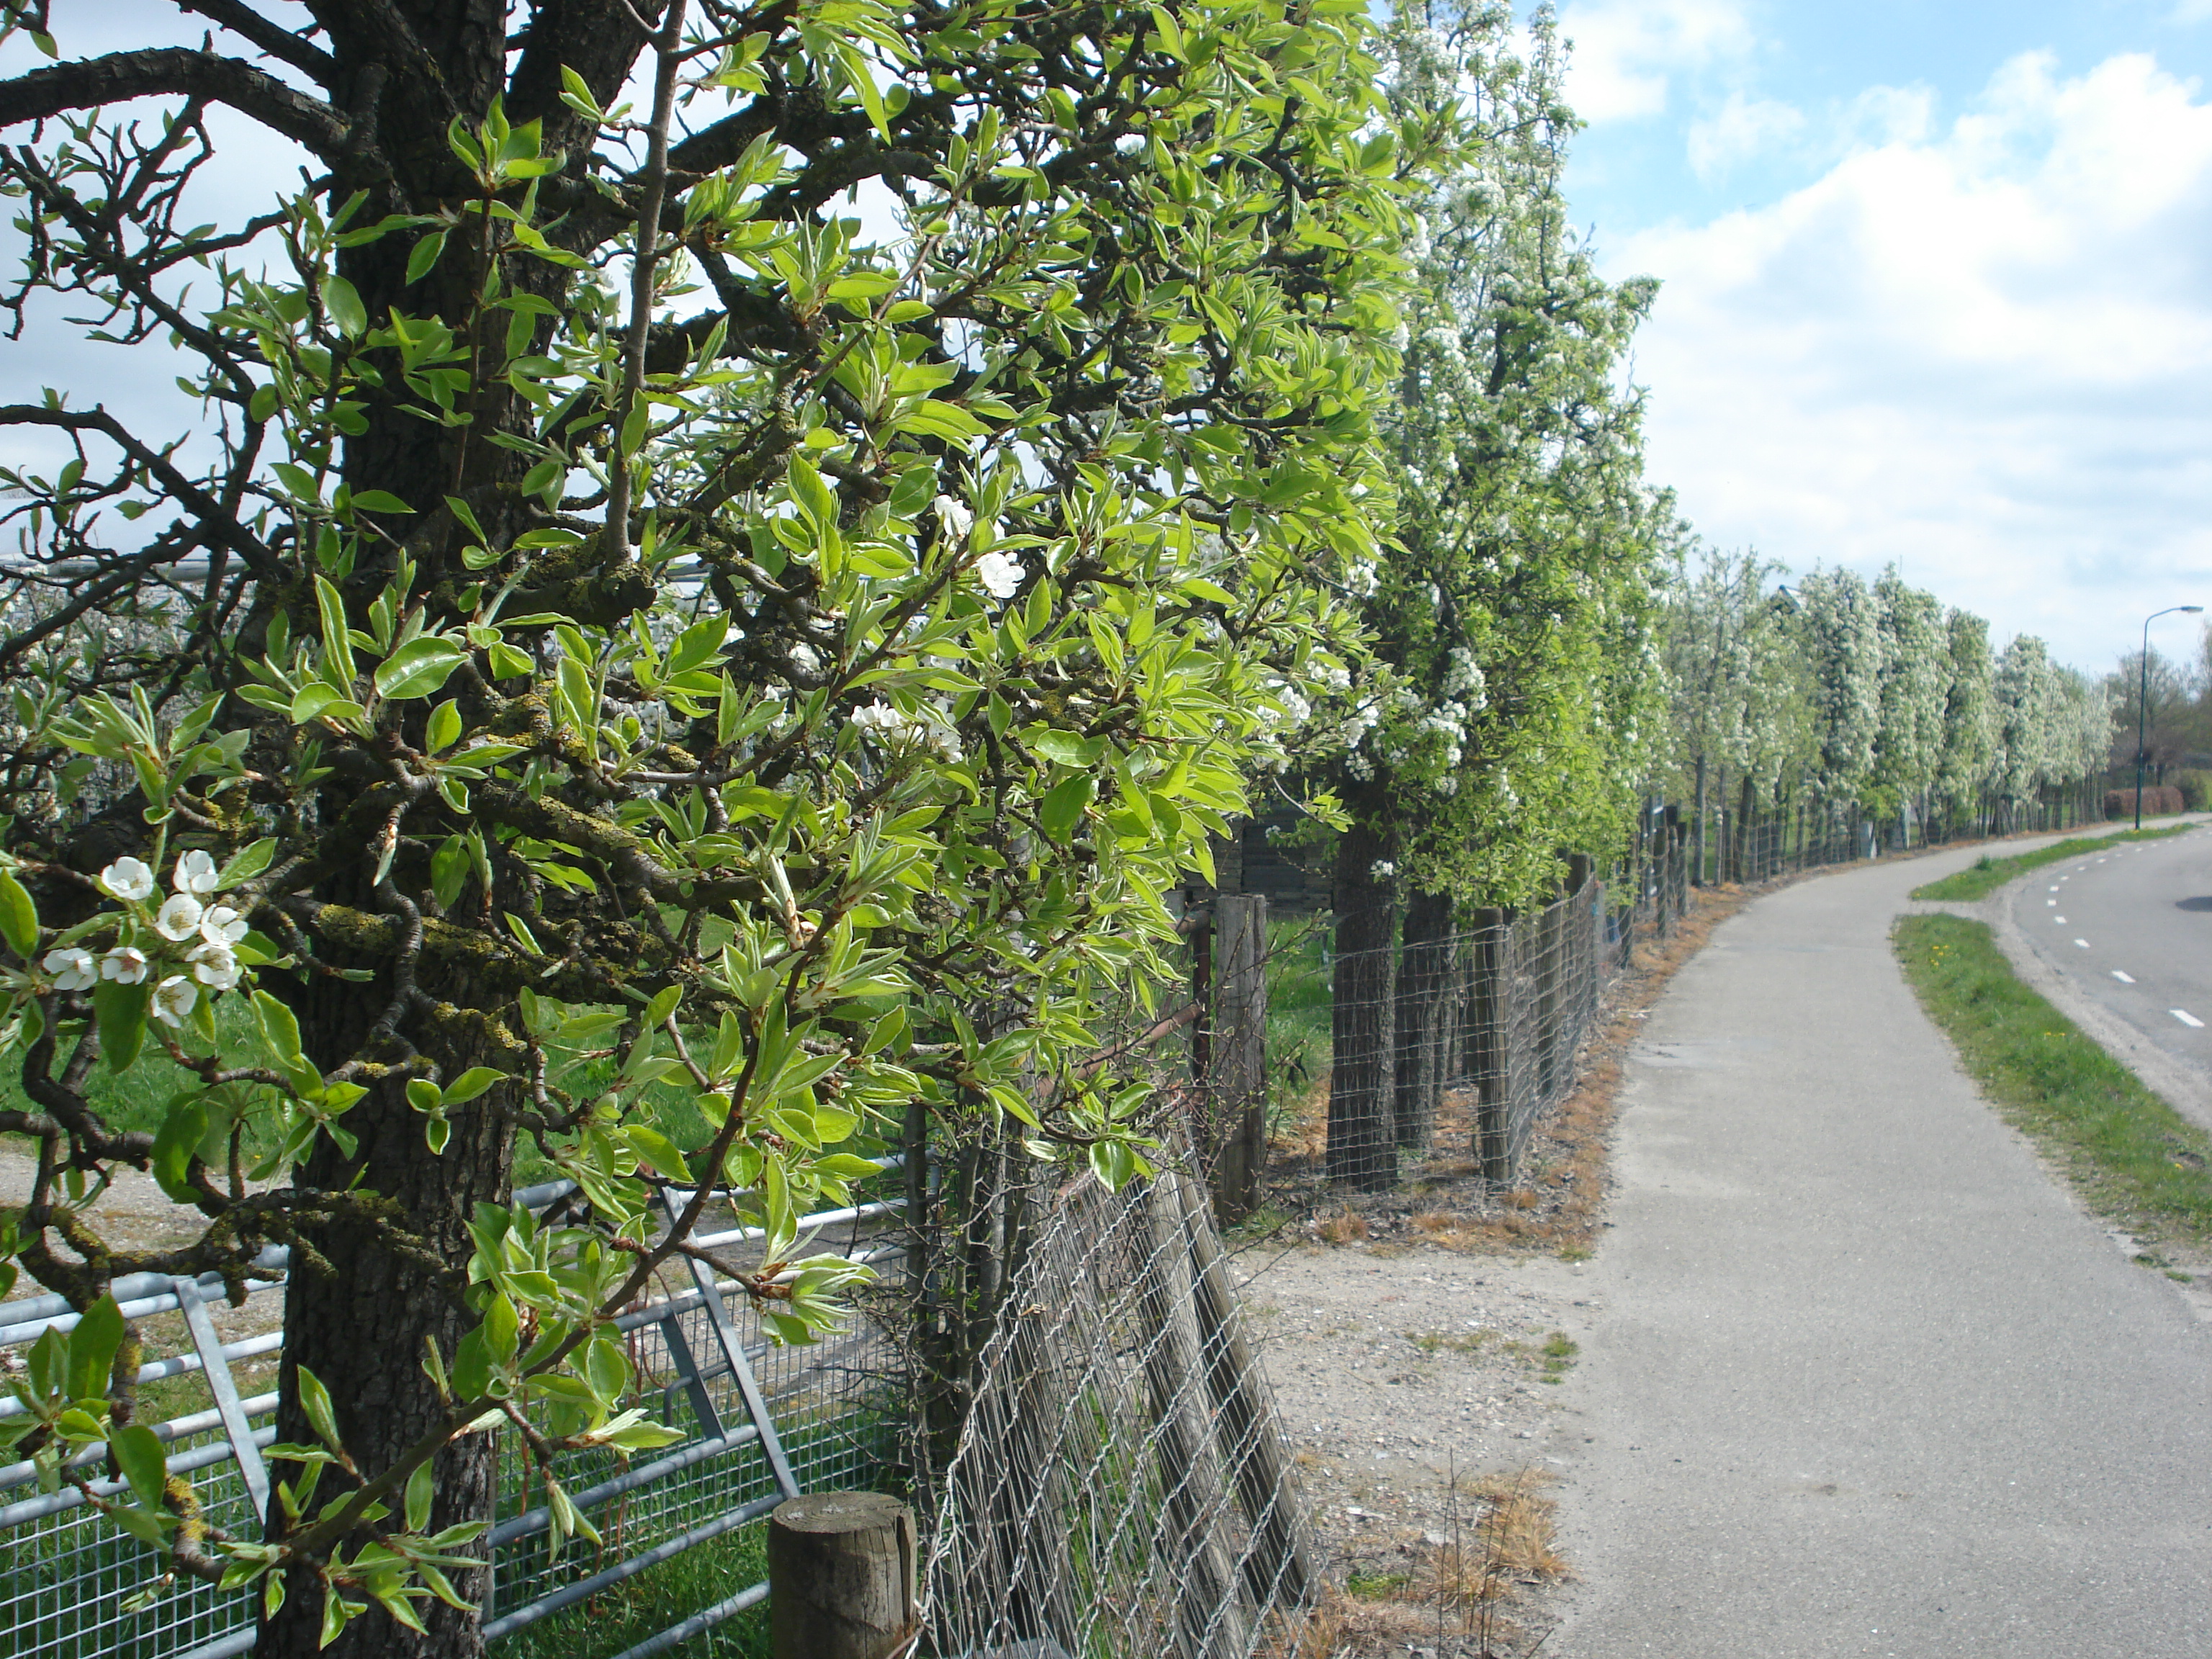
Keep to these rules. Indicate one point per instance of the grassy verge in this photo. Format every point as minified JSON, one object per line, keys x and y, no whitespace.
{"x":2130,"y":1155}
{"x":1987,"y":874}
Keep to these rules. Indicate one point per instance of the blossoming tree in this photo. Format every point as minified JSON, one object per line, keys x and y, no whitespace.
{"x":644,"y":668}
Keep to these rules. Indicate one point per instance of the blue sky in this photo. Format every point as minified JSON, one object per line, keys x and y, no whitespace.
{"x":1938,"y":287}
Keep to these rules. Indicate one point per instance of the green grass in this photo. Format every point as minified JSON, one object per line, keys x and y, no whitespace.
{"x":1987,"y":874}
{"x":626,"y":1614}
{"x":1299,"y":1003}
{"x":2132,"y":1158}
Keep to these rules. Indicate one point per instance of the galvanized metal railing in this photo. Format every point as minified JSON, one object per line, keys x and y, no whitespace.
{"x":765,"y":1423}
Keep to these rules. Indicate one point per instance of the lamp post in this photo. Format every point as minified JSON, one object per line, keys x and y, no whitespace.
{"x":2143,"y":697}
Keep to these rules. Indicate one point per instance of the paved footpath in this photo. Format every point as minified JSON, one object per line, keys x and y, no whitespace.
{"x":1861,"y":1379}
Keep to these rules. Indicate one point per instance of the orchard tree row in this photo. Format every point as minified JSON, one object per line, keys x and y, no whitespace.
{"x":715,"y":566}
{"x":1874,"y":700}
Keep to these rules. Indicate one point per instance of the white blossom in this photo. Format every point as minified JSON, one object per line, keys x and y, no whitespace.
{"x":954,"y":516}
{"x":1000,"y":575}
{"x":195,"y":873}
{"x":887,"y":726}
{"x":173,"y":998}
{"x":73,"y":969}
{"x":126,"y":964}
{"x":178,"y":918}
{"x":222,"y":926}
{"x":1383,"y":870}
{"x":128,"y":879}
{"x":214,"y":966}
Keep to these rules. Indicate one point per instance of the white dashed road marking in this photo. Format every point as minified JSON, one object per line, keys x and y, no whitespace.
{"x":2083,"y":943}
{"x":2061,"y":921}
{"x":2187,"y":1018}
{"x":2124,"y":979}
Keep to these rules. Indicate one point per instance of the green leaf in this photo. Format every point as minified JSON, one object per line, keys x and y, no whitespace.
{"x":418,"y":668}
{"x":138,"y":1448}
{"x":118,"y":1011}
{"x":659,"y":1150}
{"x":338,"y":640}
{"x":92,"y":1348}
{"x":247,"y":863}
{"x":315,"y":1400}
{"x":343,"y":304}
{"x":180,"y":1135}
{"x":19,"y":917}
{"x":470,"y":1084}
{"x":420,"y":1490}
{"x":1064,"y":804}
{"x":443,"y":729}
{"x":379,"y":501}
{"x":425,"y":255}
{"x":696,"y":646}
{"x":606,"y":1369}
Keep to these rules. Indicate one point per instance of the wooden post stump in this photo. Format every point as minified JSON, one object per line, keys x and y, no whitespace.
{"x":840,"y":1573}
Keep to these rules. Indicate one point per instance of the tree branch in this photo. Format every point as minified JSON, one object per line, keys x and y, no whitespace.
{"x":93,"y":82}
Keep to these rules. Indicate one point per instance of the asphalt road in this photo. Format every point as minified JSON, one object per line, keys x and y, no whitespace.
{"x":2130,"y":931}
{"x":1861,"y":1379}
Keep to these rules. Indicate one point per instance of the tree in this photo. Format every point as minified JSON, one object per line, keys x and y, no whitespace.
{"x":1969,"y":742}
{"x":637,"y":666}
{"x":1509,"y":680}
{"x":1739,"y":689}
{"x":1842,"y":629}
{"x":1916,"y":678}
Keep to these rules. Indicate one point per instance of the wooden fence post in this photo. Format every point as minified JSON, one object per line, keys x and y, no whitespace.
{"x":1279,"y":1569}
{"x":1211,"y":1619}
{"x":1238,"y":1088}
{"x":840,"y":1573}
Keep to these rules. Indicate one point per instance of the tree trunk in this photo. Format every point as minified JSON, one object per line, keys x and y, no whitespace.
{"x":360,"y":1327}
{"x":1362,"y":1141}
{"x":1698,"y":823}
{"x":1424,"y":981}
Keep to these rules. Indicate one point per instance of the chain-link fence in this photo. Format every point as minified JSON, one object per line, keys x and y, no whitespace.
{"x":1119,"y":1486}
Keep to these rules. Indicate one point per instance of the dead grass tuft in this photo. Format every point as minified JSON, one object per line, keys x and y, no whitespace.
{"x":1346,"y":1226}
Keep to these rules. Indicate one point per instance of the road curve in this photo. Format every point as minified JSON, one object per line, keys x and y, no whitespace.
{"x":2130,"y":929}
{"x":1860,"y":1379}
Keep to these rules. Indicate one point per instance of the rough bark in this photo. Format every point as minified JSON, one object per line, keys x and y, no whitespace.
{"x":1421,"y":1005}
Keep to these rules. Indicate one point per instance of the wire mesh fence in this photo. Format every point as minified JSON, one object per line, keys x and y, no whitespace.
{"x":1750,"y":839}
{"x":762,"y":1422}
{"x":1119,"y":1486}
{"x":1498,"y":1010}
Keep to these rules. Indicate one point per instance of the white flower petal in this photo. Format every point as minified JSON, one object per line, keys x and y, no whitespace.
{"x":173,"y":998}
{"x":124,"y":965}
{"x":178,"y":918}
{"x":127,"y":879}
{"x":195,"y":873}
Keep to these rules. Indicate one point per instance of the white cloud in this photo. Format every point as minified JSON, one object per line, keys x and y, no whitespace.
{"x":1985,"y":351}
{"x":1626,"y":51}
{"x":1740,"y":130}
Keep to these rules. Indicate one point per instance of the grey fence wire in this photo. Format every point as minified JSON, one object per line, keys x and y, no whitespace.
{"x":1120,"y":1486}
{"x":762,"y":1422}
{"x":1494,"y":1014}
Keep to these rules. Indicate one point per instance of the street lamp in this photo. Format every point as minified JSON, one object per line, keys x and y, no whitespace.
{"x":2142,"y":696}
